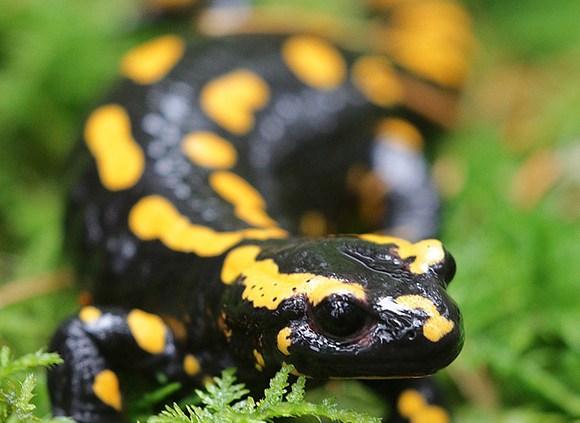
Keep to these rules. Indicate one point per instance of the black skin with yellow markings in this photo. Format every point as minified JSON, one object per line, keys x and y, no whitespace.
{"x":362,"y":320}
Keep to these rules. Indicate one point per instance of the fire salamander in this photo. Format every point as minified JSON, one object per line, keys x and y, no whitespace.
{"x":208,"y":183}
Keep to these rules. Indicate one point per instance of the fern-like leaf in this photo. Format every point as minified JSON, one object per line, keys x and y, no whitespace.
{"x":226,"y":402}
{"x":15,"y":395}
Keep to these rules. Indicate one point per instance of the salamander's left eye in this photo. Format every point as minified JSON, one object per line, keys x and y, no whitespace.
{"x":339,"y":317}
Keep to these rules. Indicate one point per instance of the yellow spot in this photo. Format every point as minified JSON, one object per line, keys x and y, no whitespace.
{"x":436,"y":326}
{"x":89,"y":314}
{"x":413,"y":406}
{"x":148,"y":330}
{"x":376,"y":79}
{"x":231,"y":100}
{"x":237,"y":261}
{"x":267,"y":287}
{"x":427,"y":252}
{"x":249,"y":204}
{"x":259,"y":360}
{"x":313,"y":224}
{"x":154,"y":217}
{"x":314,"y":61}
{"x":209,"y":150}
{"x":283,"y":340}
{"x":191,"y":365}
{"x":410,"y":402}
{"x":152,"y":60}
{"x":400,"y":131}
{"x":106,"y":388}
{"x":120,"y":160}
{"x":433,"y":39}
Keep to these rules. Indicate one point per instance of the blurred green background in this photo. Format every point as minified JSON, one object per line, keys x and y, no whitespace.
{"x":509,"y":174}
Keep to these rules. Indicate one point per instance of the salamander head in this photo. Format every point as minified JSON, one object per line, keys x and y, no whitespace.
{"x":366,"y":307}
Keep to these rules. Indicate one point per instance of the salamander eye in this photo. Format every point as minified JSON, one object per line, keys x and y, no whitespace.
{"x":338,"y":317}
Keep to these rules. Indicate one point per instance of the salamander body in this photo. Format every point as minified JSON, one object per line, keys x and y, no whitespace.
{"x":208,"y":182}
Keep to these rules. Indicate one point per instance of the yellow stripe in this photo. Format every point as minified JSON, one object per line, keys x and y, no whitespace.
{"x":427,"y":252}
{"x":436,"y":326}
{"x":267,"y":287}
{"x":154,"y":217}
{"x":249,"y":204}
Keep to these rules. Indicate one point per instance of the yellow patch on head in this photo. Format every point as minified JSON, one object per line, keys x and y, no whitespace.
{"x":249,"y":204}
{"x":267,"y":287}
{"x":400,"y":131}
{"x":191,"y":365}
{"x":89,"y":314}
{"x":427,"y":252}
{"x":413,"y":406}
{"x":151,"y":61}
{"x":154,"y":217}
{"x":237,"y":261}
{"x":314,"y":61}
{"x":148,"y":330}
{"x":106,"y":388}
{"x":209,"y":150}
{"x":232,"y":99}
{"x":120,"y":160}
{"x":436,"y":326}
{"x":283,"y":340}
{"x":376,"y":79}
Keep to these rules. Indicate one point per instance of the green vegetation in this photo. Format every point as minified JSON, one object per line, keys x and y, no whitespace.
{"x":15,"y":394}
{"x":223,"y":400}
{"x":226,"y":401}
{"x":509,"y":174}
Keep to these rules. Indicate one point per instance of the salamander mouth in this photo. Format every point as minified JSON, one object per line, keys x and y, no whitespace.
{"x":374,"y":365}
{"x":379,"y":352}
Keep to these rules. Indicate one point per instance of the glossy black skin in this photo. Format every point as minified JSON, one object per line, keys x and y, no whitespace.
{"x":301,"y":165}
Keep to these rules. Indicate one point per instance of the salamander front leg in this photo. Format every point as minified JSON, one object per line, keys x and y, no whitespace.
{"x":95,"y":345}
{"x":399,"y":163}
{"x":412,"y":400}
